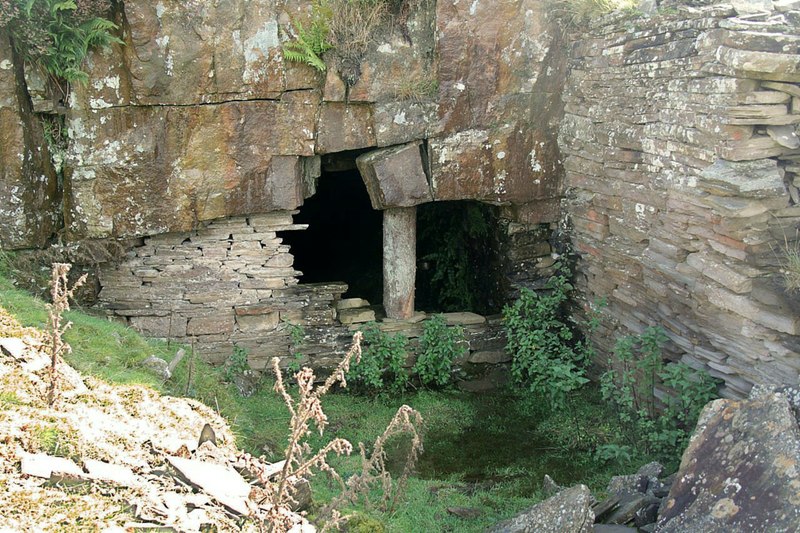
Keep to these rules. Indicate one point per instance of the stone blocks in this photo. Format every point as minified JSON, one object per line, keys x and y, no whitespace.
{"x":395,"y":176}
{"x":680,"y":152}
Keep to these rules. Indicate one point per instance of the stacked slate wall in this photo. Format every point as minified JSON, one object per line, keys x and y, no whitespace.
{"x":682,"y":164}
{"x":231,"y":283}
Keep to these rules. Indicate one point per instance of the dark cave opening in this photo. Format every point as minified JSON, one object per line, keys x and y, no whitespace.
{"x":343,"y":241}
{"x":458,"y":258}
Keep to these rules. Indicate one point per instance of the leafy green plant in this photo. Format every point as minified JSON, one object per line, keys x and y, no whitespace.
{"x":296,"y":334}
{"x":546,"y":358}
{"x":311,"y":42}
{"x":237,"y":363}
{"x":606,"y":453}
{"x":630,"y":386}
{"x":57,"y":35}
{"x":439,"y":345}
{"x":382,"y":364}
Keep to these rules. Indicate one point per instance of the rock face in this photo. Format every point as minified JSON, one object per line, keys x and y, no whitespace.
{"x":684,"y":197}
{"x":569,"y":511}
{"x":740,"y":471}
{"x":28,"y":183}
{"x":199,"y":116}
{"x":198,"y":122}
{"x":679,"y":140}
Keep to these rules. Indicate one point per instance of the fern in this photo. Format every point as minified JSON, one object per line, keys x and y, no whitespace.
{"x":50,"y":34}
{"x":309,"y":44}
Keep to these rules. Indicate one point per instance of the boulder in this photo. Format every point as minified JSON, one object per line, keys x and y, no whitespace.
{"x":740,"y":470}
{"x":569,"y":511}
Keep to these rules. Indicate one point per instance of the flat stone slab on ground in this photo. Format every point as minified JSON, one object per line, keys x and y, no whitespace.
{"x":43,"y":465}
{"x":463,"y":319}
{"x":220,"y":482}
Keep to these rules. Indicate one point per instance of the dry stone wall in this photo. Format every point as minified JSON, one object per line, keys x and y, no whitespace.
{"x":231,"y":283}
{"x":681,"y":157}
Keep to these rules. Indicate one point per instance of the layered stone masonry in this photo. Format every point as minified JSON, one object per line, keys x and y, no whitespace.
{"x":682,"y":163}
{"x":231,"y":283}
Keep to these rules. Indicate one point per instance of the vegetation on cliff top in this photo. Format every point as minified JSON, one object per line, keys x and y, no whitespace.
{"x":56,"y":35}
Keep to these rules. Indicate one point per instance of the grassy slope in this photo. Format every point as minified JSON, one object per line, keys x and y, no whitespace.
{"x":112,"y":352}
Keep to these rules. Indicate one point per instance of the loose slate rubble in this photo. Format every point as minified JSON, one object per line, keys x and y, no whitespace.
{"x":140,"y":462}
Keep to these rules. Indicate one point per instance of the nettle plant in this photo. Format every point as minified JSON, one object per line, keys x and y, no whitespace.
{"x":382,"y":364}
{"x":439,"y":346}
{"x":635,"y":370}
{"x":56,"y":35}
{"x":547,"y":359}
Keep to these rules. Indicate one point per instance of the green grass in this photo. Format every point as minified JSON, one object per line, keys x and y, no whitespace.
{"x":486,"y":452}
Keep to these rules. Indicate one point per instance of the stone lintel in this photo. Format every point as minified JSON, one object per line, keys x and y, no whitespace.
{"x":395,"y":176}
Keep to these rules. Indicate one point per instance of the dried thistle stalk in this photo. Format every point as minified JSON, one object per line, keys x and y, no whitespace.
{"x":61,"y":294}
{"x":373,"y":468}
{"x":300,"y":461}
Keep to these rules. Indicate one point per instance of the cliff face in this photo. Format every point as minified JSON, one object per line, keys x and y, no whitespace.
{"x":29,"y":196}
{"x":679,"y":135}
{"x":199,"y":116}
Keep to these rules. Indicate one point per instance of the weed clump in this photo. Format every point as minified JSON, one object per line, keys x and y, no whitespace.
{"x":790,"y":263}
{"x":546,"y":359}
{"x":629,"y":385}
{"x":61,"y":293}
{"x":381,"y":368}
{"x":346,"y":29}
{"x":439,"y":346}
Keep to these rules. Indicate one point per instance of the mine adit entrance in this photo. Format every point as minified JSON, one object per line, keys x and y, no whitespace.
{"x":343,"y":241}
{"x":458,"y":258}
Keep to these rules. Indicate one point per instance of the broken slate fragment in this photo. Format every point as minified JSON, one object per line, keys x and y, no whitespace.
{"x":117,"y":474}
{"x":220,"y":482}
{"x":12,"y":347}
{"x":43,"y":465}
{"x":784,"y":135}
